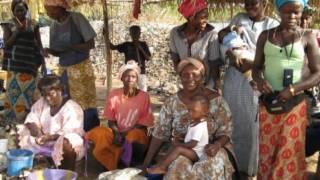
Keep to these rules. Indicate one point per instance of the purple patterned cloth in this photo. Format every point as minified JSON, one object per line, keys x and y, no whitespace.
{"x":127,"y":153}
{"x":46,"y":151}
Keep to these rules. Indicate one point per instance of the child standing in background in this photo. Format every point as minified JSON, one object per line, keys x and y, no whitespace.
{"x":135,"y":50}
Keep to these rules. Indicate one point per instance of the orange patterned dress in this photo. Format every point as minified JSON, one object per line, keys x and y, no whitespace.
{"x":282,"y":144}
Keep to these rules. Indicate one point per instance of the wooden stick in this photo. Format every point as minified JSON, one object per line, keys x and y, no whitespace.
{"x":108,"y":50}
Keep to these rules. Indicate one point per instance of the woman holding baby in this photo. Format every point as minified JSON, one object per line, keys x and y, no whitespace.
{"x":214,"y":163}
{"x":237,"y":88}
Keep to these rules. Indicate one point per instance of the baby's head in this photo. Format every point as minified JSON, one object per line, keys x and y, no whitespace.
{"x":234,"y":41}
{"x":199,"y":107}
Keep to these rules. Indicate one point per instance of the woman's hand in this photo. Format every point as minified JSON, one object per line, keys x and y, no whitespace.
{"x":264,"y":87}
{"x":19,"y":26}
{"x":234,"y":60}
{"x":212,"y":149}
{"x":184,"y":119}
{"x":177,"y":137}
{"x":33,"y":129}
{"x":45,"y":52}
{"x":284,"y":95}
{"x":118,"y":138}
{"x":43,"y":139}
{"x":254,"y":85}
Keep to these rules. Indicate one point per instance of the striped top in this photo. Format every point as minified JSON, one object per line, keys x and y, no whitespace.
{"x":24,"y":56}
{"x":205,"y":47}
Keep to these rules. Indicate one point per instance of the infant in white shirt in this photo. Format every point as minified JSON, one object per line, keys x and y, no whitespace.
{"x":195,"y":140}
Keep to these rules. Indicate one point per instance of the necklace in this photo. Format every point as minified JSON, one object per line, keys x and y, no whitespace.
{"x":288,"y":55}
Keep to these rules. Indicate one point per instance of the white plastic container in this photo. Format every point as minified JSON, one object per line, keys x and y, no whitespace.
{"x":3,"y":145}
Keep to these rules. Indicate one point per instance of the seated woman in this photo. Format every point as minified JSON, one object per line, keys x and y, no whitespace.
{"x":128,"y":112}
{"x":173,"y":122}
{"x":55,"y":124}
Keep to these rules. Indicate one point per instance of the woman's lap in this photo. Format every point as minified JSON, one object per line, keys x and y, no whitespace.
{"x":53,"y":148}
{"x":218,"y":167}
{"x":105,"y":151}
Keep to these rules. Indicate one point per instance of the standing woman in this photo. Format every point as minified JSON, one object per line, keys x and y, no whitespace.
{"x":196,"y":38}
{"x":278,"y":72}
{"x":22,"y":59}
{"x":237,"y":90}
{"x":71,"y":38}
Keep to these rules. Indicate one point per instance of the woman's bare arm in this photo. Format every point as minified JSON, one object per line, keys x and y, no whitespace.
{"x":258,"y":65}
{"x":313,"y":55}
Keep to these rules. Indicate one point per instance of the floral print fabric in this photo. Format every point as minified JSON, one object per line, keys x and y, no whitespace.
{"x":19,"y":95}
{"x":173,"y":110}
{"x":217,"y":167}
{"x":282,"y":144}
{"x":81,"y":83}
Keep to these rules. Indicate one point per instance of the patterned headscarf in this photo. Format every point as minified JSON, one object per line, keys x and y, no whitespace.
{"x":60,"y":3}
{"x":280,"y":3}
{"x":191,"y":7}
{"x":195,"y":62}
{"x":132,"y":65}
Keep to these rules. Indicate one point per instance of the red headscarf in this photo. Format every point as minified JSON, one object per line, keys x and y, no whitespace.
{"x":191,"y":7}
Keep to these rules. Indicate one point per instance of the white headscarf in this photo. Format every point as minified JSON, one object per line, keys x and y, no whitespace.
{"x":132,"y":65}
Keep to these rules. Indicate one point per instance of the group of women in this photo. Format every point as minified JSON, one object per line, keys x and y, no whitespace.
{"x":56,"y":123}
{"x":248,"y":136}
{"x":71,"y":38}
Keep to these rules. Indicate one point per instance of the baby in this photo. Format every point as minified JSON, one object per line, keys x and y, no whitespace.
{"x":195,"y":140}
{"x":231,"y":40}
